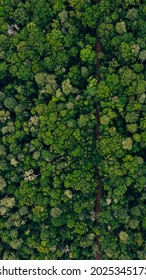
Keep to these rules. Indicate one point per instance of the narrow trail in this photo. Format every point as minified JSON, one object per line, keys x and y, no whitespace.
{"x":99,"y":183}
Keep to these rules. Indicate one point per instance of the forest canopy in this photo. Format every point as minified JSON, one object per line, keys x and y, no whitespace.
{"x":50,"y":89}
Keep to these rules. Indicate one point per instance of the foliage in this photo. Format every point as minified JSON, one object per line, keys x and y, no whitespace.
{"x":48,"y":147}
{"x":121,"y":145}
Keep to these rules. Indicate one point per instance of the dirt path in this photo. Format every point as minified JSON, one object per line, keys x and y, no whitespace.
{"x":99,"y":183}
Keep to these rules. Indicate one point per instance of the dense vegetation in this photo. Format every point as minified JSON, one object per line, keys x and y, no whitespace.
{"x":49,"y":151}
{"x":122,"y":143}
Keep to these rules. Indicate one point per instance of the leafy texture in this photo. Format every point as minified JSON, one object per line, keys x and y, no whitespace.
{"x":49,"y":153}
{"x":48,"y":145}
